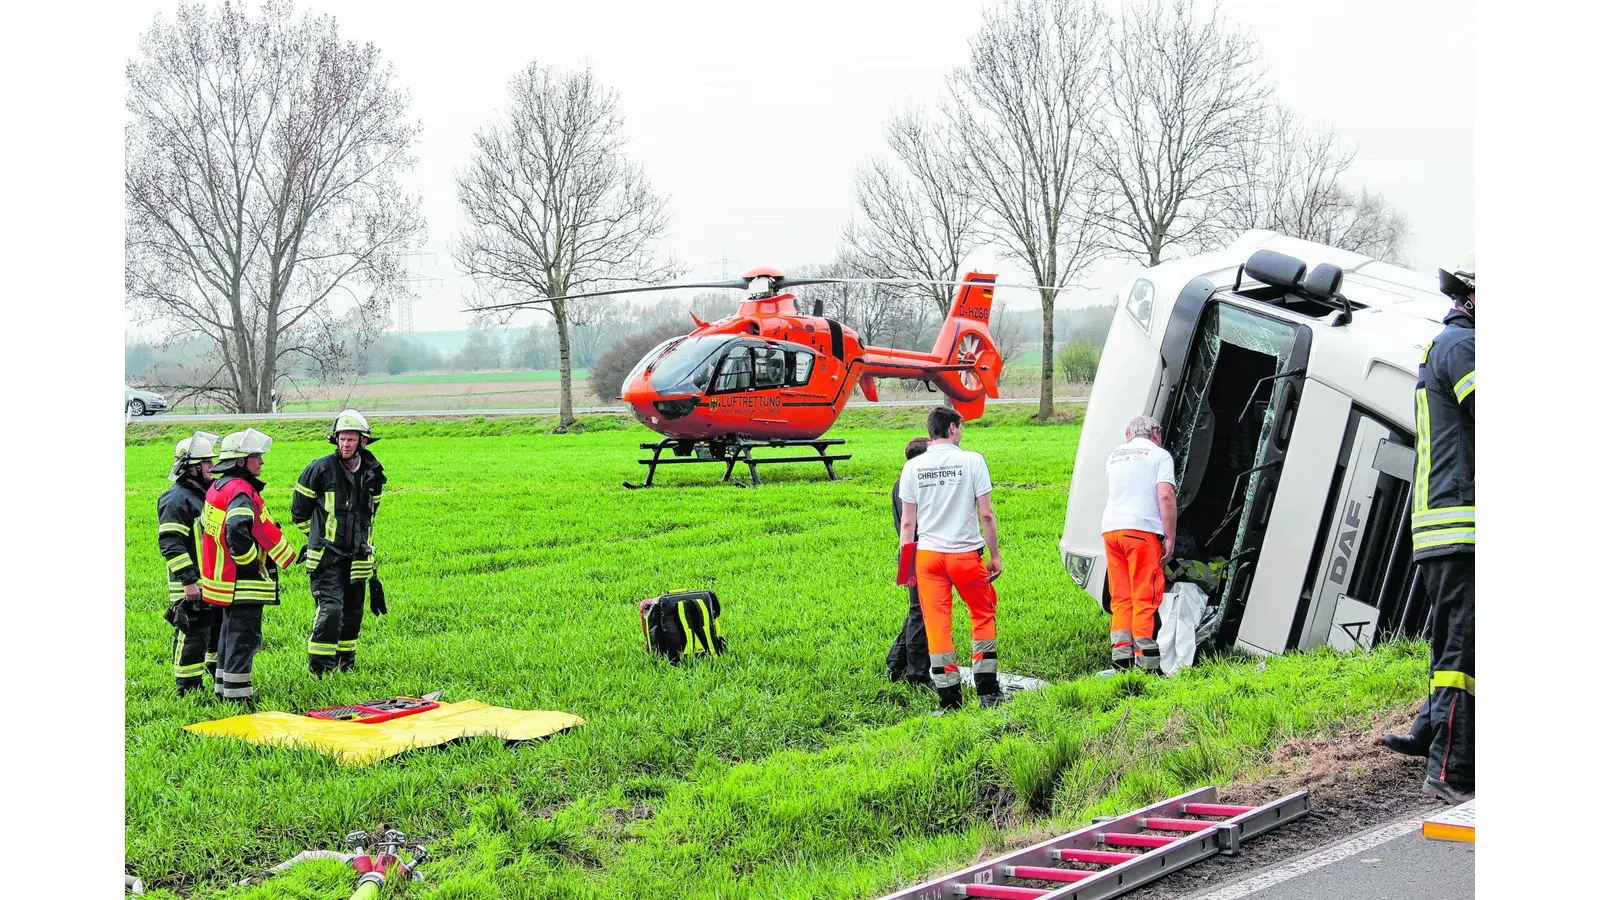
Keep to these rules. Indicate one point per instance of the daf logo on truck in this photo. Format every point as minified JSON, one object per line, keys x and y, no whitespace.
{"x":1347,"y":543}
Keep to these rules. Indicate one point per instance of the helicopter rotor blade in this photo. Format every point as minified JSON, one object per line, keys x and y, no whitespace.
{"x":731,"y":285}
{"x":910,"y":281}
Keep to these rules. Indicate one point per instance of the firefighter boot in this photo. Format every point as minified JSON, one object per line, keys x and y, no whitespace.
{"x":988,"y":686}
{"x":1417,"y":742}
{"x":950,"y":697}
{"x":345,"y":660}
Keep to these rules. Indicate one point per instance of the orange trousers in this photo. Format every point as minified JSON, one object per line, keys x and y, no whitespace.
{"x":937,"y":575}
{"x":1133,"y":570}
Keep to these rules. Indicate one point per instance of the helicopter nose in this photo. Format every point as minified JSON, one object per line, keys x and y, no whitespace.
{"x":637,"y":397}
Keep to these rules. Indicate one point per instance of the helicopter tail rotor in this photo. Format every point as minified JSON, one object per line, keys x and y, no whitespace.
{"x":965,"y":341}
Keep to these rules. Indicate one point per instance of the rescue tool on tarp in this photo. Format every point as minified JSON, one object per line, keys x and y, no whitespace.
{"x":353,"y":742}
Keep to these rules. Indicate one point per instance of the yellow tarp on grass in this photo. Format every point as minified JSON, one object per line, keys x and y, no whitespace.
{"x":355,"y":744}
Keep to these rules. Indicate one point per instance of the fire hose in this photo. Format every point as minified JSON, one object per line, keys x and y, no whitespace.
{"x":375,"y":865}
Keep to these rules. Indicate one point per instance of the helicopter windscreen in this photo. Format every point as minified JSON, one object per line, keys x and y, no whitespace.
{"x":687,"y":365}
{"x":649,"y":359}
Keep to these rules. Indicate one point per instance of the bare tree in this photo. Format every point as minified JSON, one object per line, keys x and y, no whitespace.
{"x":1294,"y":182}
{"x":1182,"y":89}
{"x":880,"y":314}
{"x":915,"y":219}
{"x":261,"y":183}
{"x":552,"y":205}
{"x":1024,"y":108}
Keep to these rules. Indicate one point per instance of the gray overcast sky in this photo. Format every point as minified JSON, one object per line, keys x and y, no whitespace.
{"x":752,"y":117}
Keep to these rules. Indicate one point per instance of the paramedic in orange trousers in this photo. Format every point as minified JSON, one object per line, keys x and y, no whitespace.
{"x":948,"y":516}
{"x":1139,"y":527}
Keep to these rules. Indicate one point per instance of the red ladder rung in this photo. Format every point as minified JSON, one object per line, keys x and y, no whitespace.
{"x":1215,"y":809}
{"x":1045,"y":873}
{"x":1178,"y":824}
{"x":1107,"y":857}
{"x":1137,"y":840}
{"x":1005,"y":892}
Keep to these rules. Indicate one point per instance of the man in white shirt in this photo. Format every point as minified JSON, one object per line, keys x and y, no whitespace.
{"x":947,"y":514}
{"x":1139,"y":527}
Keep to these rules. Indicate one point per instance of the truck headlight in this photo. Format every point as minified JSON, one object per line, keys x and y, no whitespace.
{"x":1141,"y":303}
{"x":1079,"y":567}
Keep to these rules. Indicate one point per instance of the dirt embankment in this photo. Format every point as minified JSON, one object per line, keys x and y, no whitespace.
{"x":1354,"y":784}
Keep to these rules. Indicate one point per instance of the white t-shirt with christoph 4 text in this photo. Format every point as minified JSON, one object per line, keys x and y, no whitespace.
{"x":1132,"y":472}
{"x":945,"y":484}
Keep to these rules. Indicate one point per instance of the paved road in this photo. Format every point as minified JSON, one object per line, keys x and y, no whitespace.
{"x":533,"y":411}
{"x":1390,"y":862}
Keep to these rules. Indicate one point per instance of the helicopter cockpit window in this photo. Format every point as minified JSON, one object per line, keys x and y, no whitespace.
{"x":769,"y":366}
{"x":687,"y":361}
{"x":735,"y":372}
{"x":649,"y":359}
{"x":800,"y":368}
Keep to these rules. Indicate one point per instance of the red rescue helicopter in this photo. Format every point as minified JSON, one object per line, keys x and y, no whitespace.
{"x":772,"y":376}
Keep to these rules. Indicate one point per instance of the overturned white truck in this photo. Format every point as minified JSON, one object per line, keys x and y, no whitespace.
{"x":1283,"y":373}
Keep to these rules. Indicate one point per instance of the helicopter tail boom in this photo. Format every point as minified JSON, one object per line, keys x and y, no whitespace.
{"x":964,"y":362}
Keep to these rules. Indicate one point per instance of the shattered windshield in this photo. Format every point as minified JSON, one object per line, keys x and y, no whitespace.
{"x":686,"y":361}
{"x":1194,"y":422}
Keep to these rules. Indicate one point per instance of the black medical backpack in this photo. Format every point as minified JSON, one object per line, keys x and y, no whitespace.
{"x":682,"y":622}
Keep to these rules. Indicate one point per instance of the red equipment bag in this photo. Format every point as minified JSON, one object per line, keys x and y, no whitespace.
{"x":374,"y":711}
{"x":908,"y":564}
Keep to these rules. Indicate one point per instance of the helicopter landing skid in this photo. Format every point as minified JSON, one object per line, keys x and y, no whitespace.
{"x":732,"y":452}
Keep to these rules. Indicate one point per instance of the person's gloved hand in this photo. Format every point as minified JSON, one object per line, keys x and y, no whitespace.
{"x":375,"y":597}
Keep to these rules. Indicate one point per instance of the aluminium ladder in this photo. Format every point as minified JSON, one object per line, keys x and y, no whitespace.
{"x":1121,"y":848}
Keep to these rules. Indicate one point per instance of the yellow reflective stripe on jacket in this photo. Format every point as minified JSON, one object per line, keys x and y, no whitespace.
{"x":330,"y":523}
{"x":241,"y":512}
{"x":303,"y":490}
{"x":181,"y":561}
{"x":1444,"y":516}
{"x":1428,"y":540}
{"x":247,"y":557}
{"x":282,"y":552}
{"x":173,"y":528}
{"x":305,"y":527}
{"x":1419,"y":490}
{"x":217,"y":592}
{"x":1460,"y":680}
{"x":1464,"y":386}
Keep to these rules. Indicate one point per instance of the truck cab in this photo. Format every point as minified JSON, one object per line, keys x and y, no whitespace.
{"x":1283,"y":373}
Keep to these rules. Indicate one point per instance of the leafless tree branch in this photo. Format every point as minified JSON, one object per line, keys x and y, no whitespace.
{"x":554,"y":207}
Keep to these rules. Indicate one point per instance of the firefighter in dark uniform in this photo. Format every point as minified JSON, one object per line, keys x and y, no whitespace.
{"x":241,"y":553}
{"x":1443,"y":535}
{"x":196,"y":624}
{"x":334,"y":504}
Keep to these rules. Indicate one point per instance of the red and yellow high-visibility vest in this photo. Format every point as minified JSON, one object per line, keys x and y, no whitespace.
{"x":224,"y":578}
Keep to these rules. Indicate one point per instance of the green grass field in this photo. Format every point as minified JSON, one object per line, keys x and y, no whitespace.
{"x":514,"y":562}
